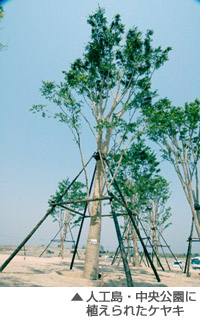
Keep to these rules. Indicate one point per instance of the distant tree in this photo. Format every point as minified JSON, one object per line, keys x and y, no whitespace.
{"x":102,"y":249}
{"x":177,"y":132}
{"x":104,"y":89}
{"x":156,"y":214}
{"x":65,"y":216}
{"x":145,"y":191}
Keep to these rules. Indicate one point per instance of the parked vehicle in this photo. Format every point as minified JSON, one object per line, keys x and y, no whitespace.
{"x":195,"y":263}
{"x":50,"y":251}
{"x":177,"y":264}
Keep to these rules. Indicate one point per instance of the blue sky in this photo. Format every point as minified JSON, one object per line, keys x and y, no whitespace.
{"x":43,"y":38}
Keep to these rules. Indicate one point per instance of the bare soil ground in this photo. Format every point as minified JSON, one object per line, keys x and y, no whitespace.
{"x":28,"y":270}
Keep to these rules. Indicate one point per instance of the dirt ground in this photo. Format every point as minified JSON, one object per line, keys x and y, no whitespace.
{"x":28,"y":270}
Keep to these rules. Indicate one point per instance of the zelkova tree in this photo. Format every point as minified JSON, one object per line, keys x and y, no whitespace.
{"x":145,"y":191}
{"x":103,"y":89}
{"x":156,"y":214}
{"x":177,"y":131}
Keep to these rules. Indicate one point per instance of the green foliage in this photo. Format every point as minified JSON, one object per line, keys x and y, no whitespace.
{"x":176,"y":129}
{"x":112,"y":61}
{"x":144,"y":189}
{"x":137,"y":167}
{"x":76,"y":192}
{"x":1,"y":12}
{"x":156,"y":213}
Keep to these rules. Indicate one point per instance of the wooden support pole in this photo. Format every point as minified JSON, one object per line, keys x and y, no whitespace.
{"x":187,"y":263}
{"x":165,"y":256}
{"x":189,"y":259}
{"x":73,"y":240}
{"x":51,"y":242}
{"x":152,"y":247}
{"x":143,"y":245}
{"x":25,"y":240}
{"x":82,"y":200}
{"x":169,"y":249}
{"x":67,"y":208}
{"x":50,"y":211}
{"x":118,"y":248}
{"x":82,"y":221}
{"x":123,"y":254}
{"x":130,"y":213}
{"x":136,"y":228}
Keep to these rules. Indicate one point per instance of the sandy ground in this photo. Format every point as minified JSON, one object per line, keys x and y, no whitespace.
{"x":52,"y":271}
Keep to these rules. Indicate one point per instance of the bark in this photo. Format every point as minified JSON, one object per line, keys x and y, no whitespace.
{"x":155,"y":243}
{"x":136,"y":252}
{"x":91,"y":267}
{"x":197,"y":190}
{"x":64,"y":233}
{"x":196,"y":220}
{"x":127,"y":241}
{"x":188,"y":192}
{"x":154,"y":231}
{"x":185,"y":179}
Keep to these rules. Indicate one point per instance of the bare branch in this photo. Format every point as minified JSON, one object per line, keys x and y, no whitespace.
{"x":94,"y":106}
{"x":84,"y":117}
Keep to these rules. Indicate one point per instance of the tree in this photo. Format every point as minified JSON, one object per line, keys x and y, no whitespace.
{"x":177,"y":131}
{"x":145,"y":191}
{"x":104,"y":89}
{"x":156,"y":214}
{"x":64,"y":215}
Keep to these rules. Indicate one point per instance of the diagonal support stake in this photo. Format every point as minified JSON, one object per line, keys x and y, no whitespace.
{"x":50,"y":211}
{"x":123,"y":253}
{"x":134,"y":224}
{"x":82,"y":221}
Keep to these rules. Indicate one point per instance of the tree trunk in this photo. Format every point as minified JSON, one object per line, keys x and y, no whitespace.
{"x":155,"y":244}
{"x":91,"y":267}
{"x":154,"y":231}
{"x":128,"y":249}
{"x":191,"y":201}
{"x":187,"y":188}
{"x":196,"y":218}
{"x":136,"y":252}
{"x":63,"y":234}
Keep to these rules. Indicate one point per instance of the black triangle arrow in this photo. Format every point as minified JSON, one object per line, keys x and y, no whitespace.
{"x":77,"y":298}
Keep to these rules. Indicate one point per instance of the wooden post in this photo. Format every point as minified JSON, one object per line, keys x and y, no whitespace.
{"x":152,"y":247}
{"x":74,"y":243}
{"x":169,"y":249}
{"x":123,"y":254}
{"x":41,"y":221}
{"x":187,"y":262}
{"x":50,"y":242}
{"x":82,"y":221}
{"x":25,"y":240}
{"x":165,"y":257}
{"x":117,"y":251}
{"x":135,"y":226}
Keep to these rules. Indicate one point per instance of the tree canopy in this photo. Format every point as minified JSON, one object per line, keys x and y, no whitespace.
{"x":177,"y":131}
{"x":104,"y":89}
{"x":145,"y":190}
{"x":76,"y":192}
{"x":111,"y":80}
